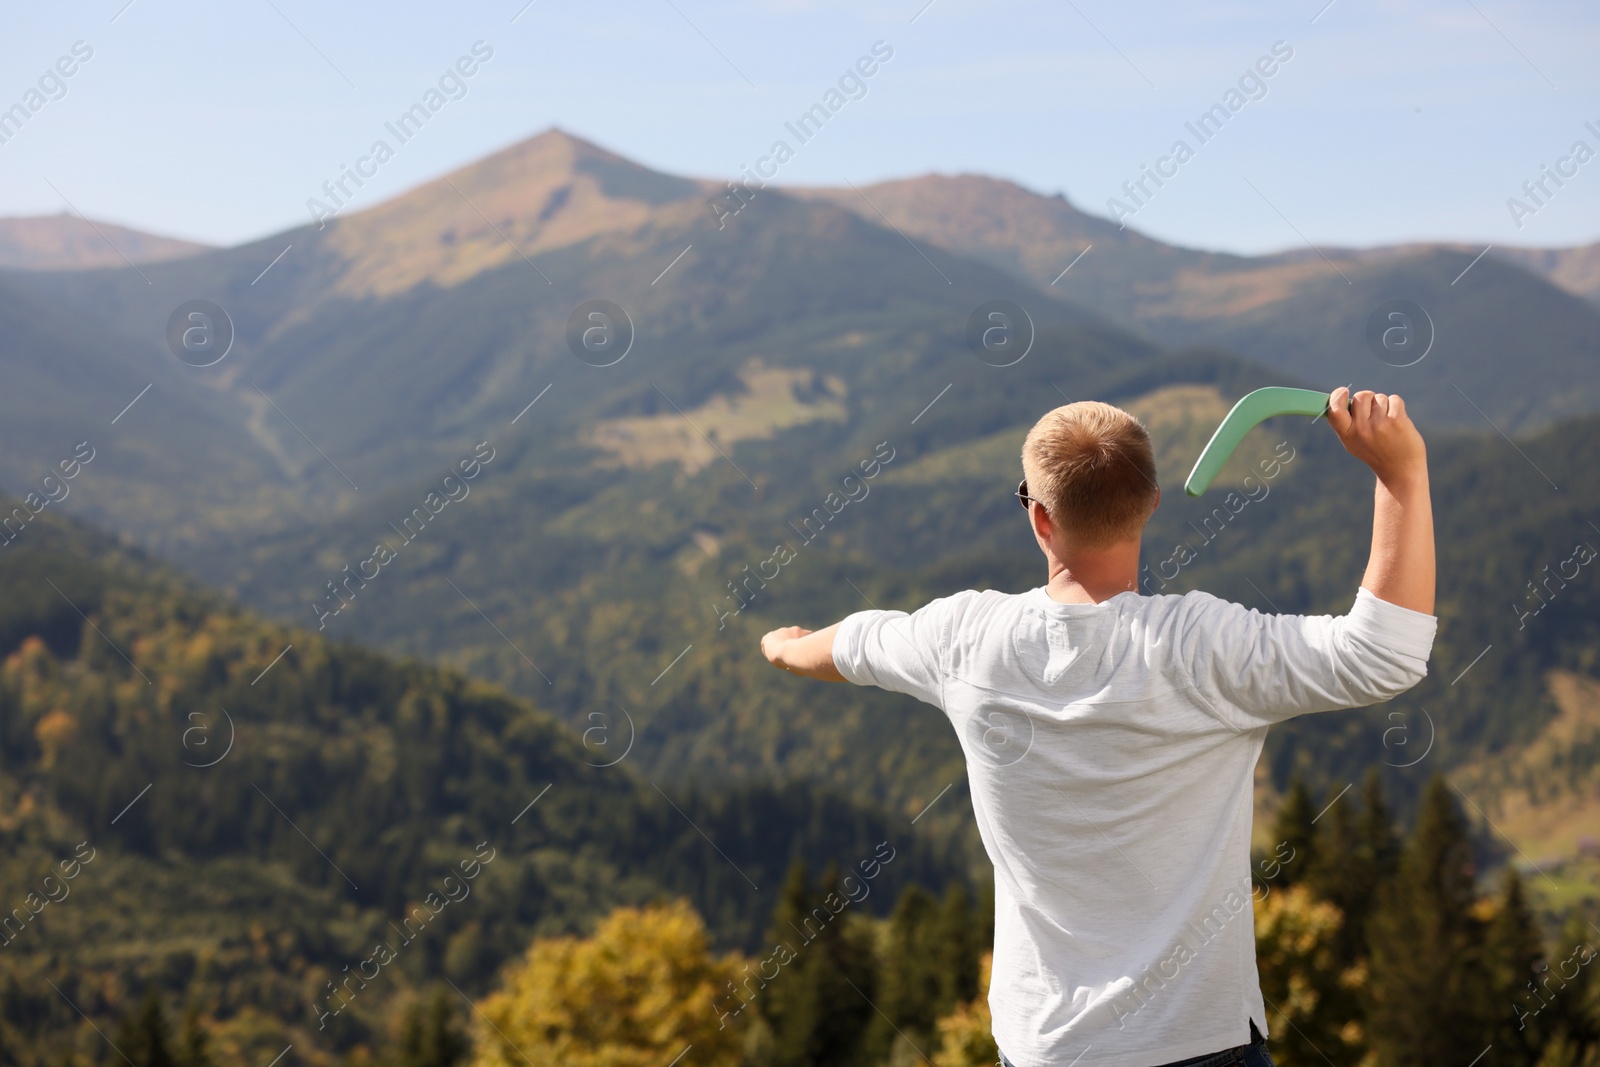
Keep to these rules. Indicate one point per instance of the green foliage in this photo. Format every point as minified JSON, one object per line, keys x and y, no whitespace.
{"x":431,"y":1034}
{"x":820,"y":1004}
{"x":930,"y":959}
{"x":355,"y":785}
{"x":1386,"y":955}
{"x":144,"y":1036}
{"x":910,"y":997}
{"x":957,"y":948}
{"x":1354,"y":856}
{"x":194,"y":1043}
{"x":854,"y":995}
{"x":1296,"y":829}
{"x":1428,"y":995}
{"x":1564,"y":997}
{"x":1513,"y":954}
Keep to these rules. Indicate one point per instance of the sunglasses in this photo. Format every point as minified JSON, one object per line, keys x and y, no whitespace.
{"x":1024,"y":499}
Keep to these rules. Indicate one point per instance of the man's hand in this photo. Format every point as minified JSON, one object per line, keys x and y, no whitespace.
{"x":1374,"y":428}
{"x":772,"y":643}
{"x":803,"y":652}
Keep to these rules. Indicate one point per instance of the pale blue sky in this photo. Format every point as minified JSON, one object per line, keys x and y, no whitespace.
{"x":1393,"y":121}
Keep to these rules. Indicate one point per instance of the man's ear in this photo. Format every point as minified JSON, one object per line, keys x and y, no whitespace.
{"x":1039,"y":518}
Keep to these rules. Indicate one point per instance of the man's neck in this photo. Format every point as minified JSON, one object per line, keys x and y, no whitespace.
{"x":1093,"y":576}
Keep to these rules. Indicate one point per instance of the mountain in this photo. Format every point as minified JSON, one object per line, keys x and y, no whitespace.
{"x":1577,"y":270}
{"x":341,"y":388}
{"x":70,"y":242}
{"x":1303,"y":312}
{"x":236,"y":813}
{"x":404,"y":446}
{"x":1033,"y":236}
{"x":1545,"y":794}
{"x":75,"y":383}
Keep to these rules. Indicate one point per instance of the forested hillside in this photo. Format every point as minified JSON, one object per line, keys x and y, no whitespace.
{"x":623,"y":599}
{"x":616,"y":546}
{"x":510,"y":590}
{"x":214,"y":806}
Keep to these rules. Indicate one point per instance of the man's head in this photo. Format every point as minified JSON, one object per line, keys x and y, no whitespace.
{"x":1091,"y":467}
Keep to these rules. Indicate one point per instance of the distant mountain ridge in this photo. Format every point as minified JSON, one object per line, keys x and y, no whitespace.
{"x":70,"y":242}
{"x":1304,"y":310}
{"x":1037,"y":235}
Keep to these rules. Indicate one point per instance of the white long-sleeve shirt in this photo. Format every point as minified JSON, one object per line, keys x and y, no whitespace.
{"x":1110,"y":750}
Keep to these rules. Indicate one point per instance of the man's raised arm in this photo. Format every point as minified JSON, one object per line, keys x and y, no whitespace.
{"x":1376,"y":430}
{"x":1256,"y":670}
{"x":804,"y":652}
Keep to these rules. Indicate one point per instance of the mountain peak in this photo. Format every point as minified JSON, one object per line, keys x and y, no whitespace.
{"x":556,"y":157}
{"x":548,"y":191}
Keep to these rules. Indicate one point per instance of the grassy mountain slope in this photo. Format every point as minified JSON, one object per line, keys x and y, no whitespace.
{"x":1545,"y":795}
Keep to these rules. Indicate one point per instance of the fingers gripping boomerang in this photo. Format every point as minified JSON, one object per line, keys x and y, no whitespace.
{"x":1251,"y":409}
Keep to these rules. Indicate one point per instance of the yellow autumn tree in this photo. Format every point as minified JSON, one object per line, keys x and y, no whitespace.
{"x":636,"y":994}
{"x":965,"y":1035}
{"x":1312,"y":1008}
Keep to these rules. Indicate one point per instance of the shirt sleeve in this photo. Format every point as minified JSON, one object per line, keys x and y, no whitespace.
{"x":1256,"y":670}
{"x":898,"y":652}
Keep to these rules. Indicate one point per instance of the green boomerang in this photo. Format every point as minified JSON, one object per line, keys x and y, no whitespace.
{"x":1251,"y":409}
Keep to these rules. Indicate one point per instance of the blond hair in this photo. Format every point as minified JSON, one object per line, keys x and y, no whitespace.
{"x":1092,"y":467}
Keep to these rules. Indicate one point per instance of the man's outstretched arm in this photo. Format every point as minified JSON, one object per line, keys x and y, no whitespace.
{"x":804,"y":652}
{"x":1376,"y":430}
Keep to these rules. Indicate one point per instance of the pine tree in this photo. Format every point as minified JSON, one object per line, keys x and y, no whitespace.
{"x":955,"y":950}
{"x":1354,"y":858}
{"x":911,"y":972}
{"x":143,"y":1036}
{"x":1339,"y":840}
{"x":429,"y":1036}
{"x":820,"y":1004}
{"x":1295,"y":828}
{"x":1512,"y":955}
{"x":985,"y":931}
{"x":787,"y":1012}
{"x":194,"y":1045}
{"x":1428,"y":993}
{"x":908,"y":986}
{"x":1566,"y":993}
{"x":1378,"y":840}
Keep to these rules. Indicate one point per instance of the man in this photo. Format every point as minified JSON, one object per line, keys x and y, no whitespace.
{"x":1111,"y":739}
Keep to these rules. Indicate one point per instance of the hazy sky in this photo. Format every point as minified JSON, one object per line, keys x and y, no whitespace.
{"x":1390,"y":122}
